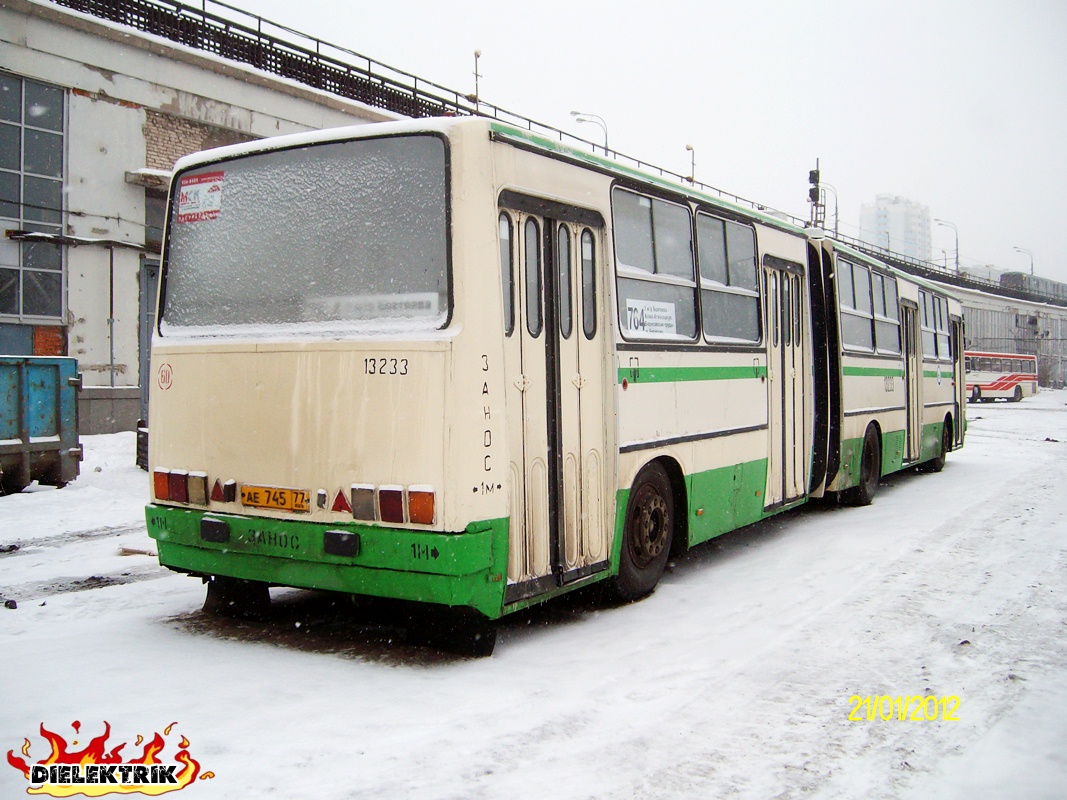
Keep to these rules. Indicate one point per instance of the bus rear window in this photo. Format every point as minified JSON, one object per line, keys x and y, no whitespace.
{"x":329,"y":239}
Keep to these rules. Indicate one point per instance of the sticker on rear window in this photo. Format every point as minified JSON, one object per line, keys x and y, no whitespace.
{"x":200,"y":197}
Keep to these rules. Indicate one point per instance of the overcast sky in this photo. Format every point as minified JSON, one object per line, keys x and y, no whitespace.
{"x":960,"y":105}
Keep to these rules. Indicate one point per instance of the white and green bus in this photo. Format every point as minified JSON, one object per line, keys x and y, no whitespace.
{"x":454,"y":362}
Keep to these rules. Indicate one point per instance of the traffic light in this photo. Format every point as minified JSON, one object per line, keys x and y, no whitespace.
{"x":813,"y":179}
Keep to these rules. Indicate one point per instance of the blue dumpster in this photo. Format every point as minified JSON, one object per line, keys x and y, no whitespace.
{"x":38,"y":421}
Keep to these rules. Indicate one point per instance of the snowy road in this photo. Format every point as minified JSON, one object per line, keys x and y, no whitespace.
{"x":732,"y":681}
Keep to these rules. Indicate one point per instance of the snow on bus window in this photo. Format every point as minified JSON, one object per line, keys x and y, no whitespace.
{"x":324,"y":239}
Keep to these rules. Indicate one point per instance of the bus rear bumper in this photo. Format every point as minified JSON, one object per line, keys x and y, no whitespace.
{"x":460,"y":569}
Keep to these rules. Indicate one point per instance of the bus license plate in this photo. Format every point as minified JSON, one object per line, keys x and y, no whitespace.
{"x":298,"y":500}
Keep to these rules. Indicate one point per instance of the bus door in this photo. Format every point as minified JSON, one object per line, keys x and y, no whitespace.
{"x":959,"y":396}
{"x":554,"y":366}
{"x":787,"y":376}
{"x":913,"y":381}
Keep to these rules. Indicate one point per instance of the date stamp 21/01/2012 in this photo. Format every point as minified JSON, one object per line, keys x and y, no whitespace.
{"x":915,"y":708}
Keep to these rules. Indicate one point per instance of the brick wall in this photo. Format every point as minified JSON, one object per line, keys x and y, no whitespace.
{"x":168,"y":138}
{"x":49,"y":340}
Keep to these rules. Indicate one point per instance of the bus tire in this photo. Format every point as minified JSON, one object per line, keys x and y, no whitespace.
{"x":461,"y":632}
{"x":1018,"y":394}
{"x":646,"y":535}
{"x":236,"y":598}
{"x":937,"y":463}
{"x":976,"y":394}
{"x":870,"y":471}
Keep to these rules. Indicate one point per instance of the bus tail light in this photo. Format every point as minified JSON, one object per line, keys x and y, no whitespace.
{"x":224,"y":492}
{"x":421,"y":505}
{"x":391,"y":503}
{"x":179,"y":486}
{"x":161,"y":484}
{"x":363,"y":501}
{"x":340,"y":503}
{"x":198,"y":488}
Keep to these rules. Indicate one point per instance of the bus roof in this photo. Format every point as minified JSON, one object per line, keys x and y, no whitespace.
{"x":534,"y":141}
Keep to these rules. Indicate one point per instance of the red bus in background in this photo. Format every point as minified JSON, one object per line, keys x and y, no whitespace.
{"x":1012,"y":376}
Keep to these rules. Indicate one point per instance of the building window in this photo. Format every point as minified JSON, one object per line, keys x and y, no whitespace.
{"x":31,"y":197}
{"x":155,"y":212}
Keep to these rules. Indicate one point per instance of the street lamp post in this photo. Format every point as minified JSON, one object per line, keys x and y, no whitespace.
{"x":834,"y":191}
{"x":477,"y":75}
{"x":1024,"y":250}
{"x":692,"y":164}
{"x":954,"y":230}
{"x":581,"y":116}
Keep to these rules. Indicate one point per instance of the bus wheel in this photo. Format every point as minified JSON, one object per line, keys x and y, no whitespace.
{"x":938,"y":463}
{"x":870,"y":471}
{"x":1015,"y":398}
{"x":459,"y":631}
{"x":976,"y":394}
{"x":647,"y":535}
{"x":240,"y":599}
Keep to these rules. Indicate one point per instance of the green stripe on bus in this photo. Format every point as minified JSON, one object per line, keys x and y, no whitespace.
{"x":680,"y":374}
{"x":873,"y":372}
{"x":933,"y":373}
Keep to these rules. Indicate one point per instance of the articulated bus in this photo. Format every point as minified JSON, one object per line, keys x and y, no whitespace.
{"x":454,"y":362}
{"x":1012,"y":376}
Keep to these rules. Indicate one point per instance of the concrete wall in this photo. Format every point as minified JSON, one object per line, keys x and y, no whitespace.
{"x":102,"y":409}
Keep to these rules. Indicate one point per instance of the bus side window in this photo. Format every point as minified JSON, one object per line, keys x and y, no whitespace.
{"x":563,"y":280}
{"x":886,"y":314}
{"x":857,"y":313}
{"x":654,"y":267}
{"x":588,"y":285}
{"x":533,"y":277}
{"x":729,"y":287}
{"x":507,"y":273}
{"x":796,"y":309}
{"x":774,"y":314}
{"x":787,"y":310}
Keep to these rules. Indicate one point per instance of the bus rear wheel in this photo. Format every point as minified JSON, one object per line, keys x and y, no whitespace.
{"x":937,"y":463}
{"x":870,"y":471}
{"x":1017,"y":395}
{"x":647,"y":535}
{"x":976,"y":394}
{"x":236,"y":598}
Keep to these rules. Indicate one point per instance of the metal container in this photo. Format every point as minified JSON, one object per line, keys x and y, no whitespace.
{"x":38,"y":421}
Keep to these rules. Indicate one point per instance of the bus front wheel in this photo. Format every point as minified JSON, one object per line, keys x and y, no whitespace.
{"x":1018,"y":395}
{"x":646,"y":536}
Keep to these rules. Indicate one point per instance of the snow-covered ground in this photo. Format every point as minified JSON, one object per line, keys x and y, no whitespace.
{"x":733,"y":680}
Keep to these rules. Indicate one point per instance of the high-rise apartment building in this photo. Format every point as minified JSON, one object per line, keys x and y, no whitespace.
{"x":897,"y":224}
